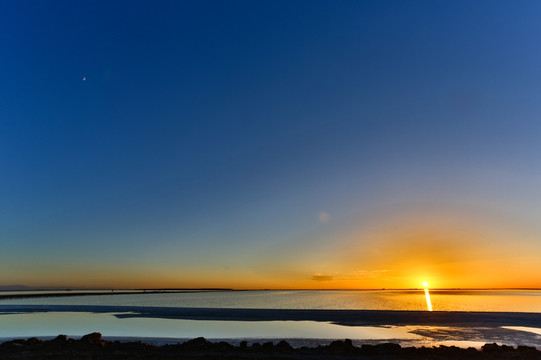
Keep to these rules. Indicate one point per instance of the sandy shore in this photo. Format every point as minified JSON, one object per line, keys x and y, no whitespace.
{"x":92,"y":346}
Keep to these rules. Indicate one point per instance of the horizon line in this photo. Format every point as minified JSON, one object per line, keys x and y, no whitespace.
{"x":77,"y":288}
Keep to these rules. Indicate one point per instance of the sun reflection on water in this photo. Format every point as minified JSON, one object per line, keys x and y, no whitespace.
{"x":427,"y":296}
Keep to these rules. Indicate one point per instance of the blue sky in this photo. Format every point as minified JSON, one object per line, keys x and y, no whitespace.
{"x":208,"y":138}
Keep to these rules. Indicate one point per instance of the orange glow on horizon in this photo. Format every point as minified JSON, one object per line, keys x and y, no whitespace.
{"x":446,"y":252}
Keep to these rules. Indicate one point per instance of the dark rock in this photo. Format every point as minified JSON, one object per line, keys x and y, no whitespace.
{"x":57,"y":343}
{"x":368,"y":349}
{"x":223,"y":346}
{"x":13,"y":345}
{"x":522,"y":349}
{"x":490,"y":348}
{"x":267,"y":347}
{"x":196,"y":344}
{"x":388,"y":348}
{"x":33,"y":341}
{"x":93,"y":339}
{"x":60,"y":339}
{"x":284,"y":347}
{"x":340,"y":347}
{"x":448,"y":351}
{"x":92,"y":346}
{"x":471,"y":351}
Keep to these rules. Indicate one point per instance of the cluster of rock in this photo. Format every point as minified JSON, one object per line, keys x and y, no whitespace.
{"x":92,"y":346}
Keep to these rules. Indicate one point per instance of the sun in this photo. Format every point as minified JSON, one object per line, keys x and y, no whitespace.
{"x":427,"y":297}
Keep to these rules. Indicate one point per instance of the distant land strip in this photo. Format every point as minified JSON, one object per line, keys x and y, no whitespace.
{"x":109,"y":292}
{"x":340,"y":317}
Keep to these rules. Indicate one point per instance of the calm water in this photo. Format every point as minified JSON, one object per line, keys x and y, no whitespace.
{"x":14,"y":324}
{"x":448,"y":300}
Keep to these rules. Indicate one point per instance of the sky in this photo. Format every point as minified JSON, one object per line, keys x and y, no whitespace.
{"x":270,"y":144}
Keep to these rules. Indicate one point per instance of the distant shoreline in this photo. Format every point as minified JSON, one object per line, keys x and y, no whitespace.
{"x":69,"y":293}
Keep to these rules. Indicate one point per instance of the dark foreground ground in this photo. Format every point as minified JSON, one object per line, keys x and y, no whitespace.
{"x":92,"y":346}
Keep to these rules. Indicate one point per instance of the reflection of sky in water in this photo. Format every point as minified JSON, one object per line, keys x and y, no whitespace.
{"x":525,"y":328}
{"x":79,"y":323}
{"x":43,"y":324}
{"x":471,"y":300}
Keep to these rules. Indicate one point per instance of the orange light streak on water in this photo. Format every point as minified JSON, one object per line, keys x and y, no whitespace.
{"x":427,"y":296}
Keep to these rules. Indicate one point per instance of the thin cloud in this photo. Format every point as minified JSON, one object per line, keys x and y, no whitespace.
{"x":321,"y":277}
{"x":356,"y":275}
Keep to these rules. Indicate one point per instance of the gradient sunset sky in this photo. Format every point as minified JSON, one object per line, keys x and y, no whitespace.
{"x":270,"y":144}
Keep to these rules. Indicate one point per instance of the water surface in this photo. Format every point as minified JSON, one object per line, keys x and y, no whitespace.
{"x":22,"y":321}
{"x":442,"y":300}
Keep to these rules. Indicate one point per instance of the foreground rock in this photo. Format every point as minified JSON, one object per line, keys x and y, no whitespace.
{"x":92,"y":346}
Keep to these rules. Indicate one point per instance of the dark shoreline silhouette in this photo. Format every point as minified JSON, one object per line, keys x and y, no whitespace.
{"x":70,"y":293}
{"x":92,"y":346}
